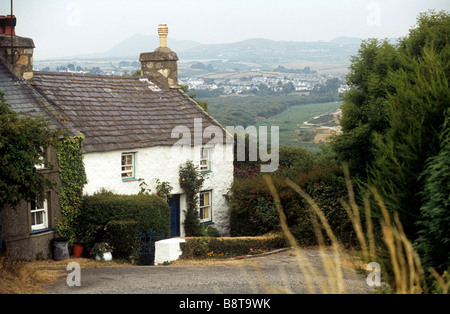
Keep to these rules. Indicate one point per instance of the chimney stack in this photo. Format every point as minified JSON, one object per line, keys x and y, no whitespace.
{"x":15,"y":52}
{"x":162,"y":64}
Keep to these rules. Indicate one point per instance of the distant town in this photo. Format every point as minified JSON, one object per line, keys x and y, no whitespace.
{"x":210,"y":80}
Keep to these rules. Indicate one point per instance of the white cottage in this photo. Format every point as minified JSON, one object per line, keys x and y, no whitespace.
{"x":145,"y":128}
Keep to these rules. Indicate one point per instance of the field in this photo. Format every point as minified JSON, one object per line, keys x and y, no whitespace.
{"x":293,"y":131}
{"x":293,"y":113}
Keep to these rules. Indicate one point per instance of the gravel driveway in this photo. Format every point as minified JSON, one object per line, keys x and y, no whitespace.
{"x":279,"y":273}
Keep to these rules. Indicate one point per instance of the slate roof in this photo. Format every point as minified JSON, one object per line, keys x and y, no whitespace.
{"x":119,"y":112}
{"x":24,"y":99}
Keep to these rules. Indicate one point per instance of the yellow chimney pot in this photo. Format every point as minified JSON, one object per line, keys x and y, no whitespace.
{"x":163,"y":31}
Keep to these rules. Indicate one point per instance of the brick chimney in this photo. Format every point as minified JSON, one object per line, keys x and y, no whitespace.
{"x":15,"y":52}
{"x":162,"y":64}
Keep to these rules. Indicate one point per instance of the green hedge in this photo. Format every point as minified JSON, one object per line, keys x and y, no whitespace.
{"x":253,"y":210}
{"x":149,"y":211}
{"x":123,"y":236}
{"x":200,"y":247}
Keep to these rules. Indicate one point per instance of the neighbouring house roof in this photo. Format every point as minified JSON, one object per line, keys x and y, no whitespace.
{"x":24,"y":99}
{"x":119,"y":112}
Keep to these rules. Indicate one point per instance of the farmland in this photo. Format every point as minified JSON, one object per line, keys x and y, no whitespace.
{"x":294,"y":131}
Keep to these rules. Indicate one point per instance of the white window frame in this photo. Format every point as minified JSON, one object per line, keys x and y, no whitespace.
{"x":41,"y":166}
{"x":204,"y":206}
{"x":128,"y":168}
{"x":205,"y":159}
{"x":35,"y":210}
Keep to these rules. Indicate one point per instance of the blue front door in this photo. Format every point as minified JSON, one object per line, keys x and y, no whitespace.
{"x":174,"y":204}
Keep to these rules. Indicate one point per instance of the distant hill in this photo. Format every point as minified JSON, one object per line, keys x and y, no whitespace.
{"x":268,"y":52}
{"x":256,"y":53}
{"x":138,"y":43}
{"x":245,"y":50}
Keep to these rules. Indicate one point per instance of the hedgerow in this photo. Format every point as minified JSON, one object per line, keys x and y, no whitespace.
{"x":253,"y":211}
{"x":149,"y":211}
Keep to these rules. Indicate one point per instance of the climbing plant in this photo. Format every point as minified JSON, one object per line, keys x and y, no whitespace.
{"x":191,"y":181}
{"x":73,"y":179}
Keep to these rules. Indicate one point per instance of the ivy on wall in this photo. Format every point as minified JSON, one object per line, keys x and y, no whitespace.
{"x":73,"y":179}
{"x":191,"y":181}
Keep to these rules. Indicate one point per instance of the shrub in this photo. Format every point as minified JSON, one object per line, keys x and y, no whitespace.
{"x":124,"y":238}
{"x":208,"y":231}
{"x":253,"y":211}
{"x":296,"y":158}
{"x":191,"y":181}
{"x":149,"y":211}
{"x":200,"y":247}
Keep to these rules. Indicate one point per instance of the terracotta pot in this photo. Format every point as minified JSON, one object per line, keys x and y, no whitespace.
{"x":77,"y":250}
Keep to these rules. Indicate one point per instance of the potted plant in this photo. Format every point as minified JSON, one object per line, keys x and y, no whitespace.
{"x":102,"y":252}
{"x":78,"y":247}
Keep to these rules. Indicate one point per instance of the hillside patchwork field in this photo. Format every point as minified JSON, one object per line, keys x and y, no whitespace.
{"x":306,"y":125}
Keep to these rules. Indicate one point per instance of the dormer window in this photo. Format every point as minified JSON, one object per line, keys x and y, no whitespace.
{"x":205,"y":159}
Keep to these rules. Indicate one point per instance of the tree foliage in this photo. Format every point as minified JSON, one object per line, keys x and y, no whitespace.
{"x":363,"y":108}
{"x":416,"y":115}
{"x":434,"y":223}
{"x":394,"y":131}
{"x":24,"y":140}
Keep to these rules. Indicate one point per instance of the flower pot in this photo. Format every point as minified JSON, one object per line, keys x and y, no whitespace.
{"x":107,"y":257}
{"x":77,"y":250}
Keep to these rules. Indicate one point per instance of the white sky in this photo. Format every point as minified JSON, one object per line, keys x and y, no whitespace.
{"x":70,"y":27}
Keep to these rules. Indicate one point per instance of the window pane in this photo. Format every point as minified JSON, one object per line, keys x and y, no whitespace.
{"x":206,"y":202}
{"x":39,"y":218}
{"x":40,"y":204}
{"x":206,"y":213}
{"x":33,"y":219}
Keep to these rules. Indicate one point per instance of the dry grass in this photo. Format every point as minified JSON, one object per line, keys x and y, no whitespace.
{"x":20,"y":277}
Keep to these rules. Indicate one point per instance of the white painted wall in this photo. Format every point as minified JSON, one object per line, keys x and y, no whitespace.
{"x":103,"y":170}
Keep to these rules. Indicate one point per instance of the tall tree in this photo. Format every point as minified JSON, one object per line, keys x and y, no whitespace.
{"x":363,"y":108}
{"x":416,"y":114}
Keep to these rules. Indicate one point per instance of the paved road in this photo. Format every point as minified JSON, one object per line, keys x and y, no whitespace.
{"x":279,"y":273}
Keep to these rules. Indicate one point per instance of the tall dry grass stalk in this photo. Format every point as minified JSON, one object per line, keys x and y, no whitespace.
{"x":407,"y":270}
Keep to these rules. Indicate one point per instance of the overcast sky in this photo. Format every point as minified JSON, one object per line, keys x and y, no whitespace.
{"x":70,"y":27}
